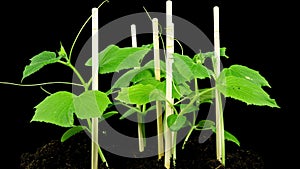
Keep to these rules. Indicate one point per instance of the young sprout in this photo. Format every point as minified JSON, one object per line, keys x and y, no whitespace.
{"x":143,"y":84}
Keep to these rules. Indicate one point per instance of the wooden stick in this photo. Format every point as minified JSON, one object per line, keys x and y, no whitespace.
{"x":220,"y":141}
{"x":133,"y":35}
{"x":159,"y":123}
{"x":169,"y":80}
{"x":95,"y":67}
{"x":139,"y":117}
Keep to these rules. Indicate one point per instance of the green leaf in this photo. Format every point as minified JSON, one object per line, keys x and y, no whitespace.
{"x":245,"y":91}
{"x":176,"y":93}
{"x":185,"y":69}
{"x":228,"y":136}
{"x":223,"y":52}
{"x":114,"y":59}
{"x":38,"y":62}
{"x":190,"y":109}
{"x":207,"y":95}
{"x":125,"y":79}
{"x":246,"y":73}
{"x":206,"y":124}
{"x":145,"y":74}
{"x":71,"y":132}
{"x":138,"y":94}
{"x":57,"y":109}
{"x":62,"y":52}
{"x":91,"y":104}
{"x":201,"y":57}
{"x":109,"y":114}
{"x":176,"y":122}
{"x":128,"y":113}
{"x":132,"y":76}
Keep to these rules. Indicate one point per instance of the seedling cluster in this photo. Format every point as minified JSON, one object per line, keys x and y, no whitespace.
{"x":161,"y":84}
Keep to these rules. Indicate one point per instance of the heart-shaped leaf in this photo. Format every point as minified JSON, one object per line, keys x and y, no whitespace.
{"x":58,"y":108}
{"x":114,"y":58}
{"x":91,"y":104}
{"x":39,"y":61}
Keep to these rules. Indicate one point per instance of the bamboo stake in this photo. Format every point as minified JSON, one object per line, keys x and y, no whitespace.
{"x":159,"y":123}
{"x":220,"y":141}
{"x":95,"y":67}
{"x":140,"y":120}
{"x":169,"y":79}
{"x":133,"y":35}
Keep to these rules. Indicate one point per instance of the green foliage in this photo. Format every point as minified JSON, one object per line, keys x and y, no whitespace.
{"x":245,"y":73}
{"x":138,"y":94}
{"x":244,"y":84}
{"x":58,"y":108}
{"x":108,"y":115}
{"x":185,"y":69}
{"x":91,"y":104}
{"x":72,"y":131}
{"x":132,"y":76}
{"x":176,"y":122}
{"x":210,"y":125}
{"x":39,"y":61}
{"x":62,"y":52}
{"x":114,"y":59}
{"x":138,"y":86}
{"x":77,"y":129}
{"x":131,"y":111}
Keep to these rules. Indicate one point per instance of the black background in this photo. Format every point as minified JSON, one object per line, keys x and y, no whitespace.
{"x":257,"y":34}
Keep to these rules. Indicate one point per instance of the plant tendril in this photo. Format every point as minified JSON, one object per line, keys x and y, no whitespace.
{"x":83,"y":26}
{"x":45,"y":90}
{"x":39,"y":84}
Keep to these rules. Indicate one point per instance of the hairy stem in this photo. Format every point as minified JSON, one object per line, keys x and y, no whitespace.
{"x":102,"y":157}
{"x":188,"y":136}
{"x":195,"y":98}
{"x":141,"y":136}
{"x":68,"y":63}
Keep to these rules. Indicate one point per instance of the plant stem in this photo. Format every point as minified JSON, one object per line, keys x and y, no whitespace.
{"x":159,"y":123}
{"x":68,"y":63}
{"x":103,"y":159}
{"x":197,"y":102}
{"x":195,"y":98}
{"x":194,"y":118}
{"x":188,"y":136}
{"x":220,"y":140}
{"x":141,"y":128}
{"x":140,"y":131}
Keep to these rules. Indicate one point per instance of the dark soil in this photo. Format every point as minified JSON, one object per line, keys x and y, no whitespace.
{"x":75,"y":154}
